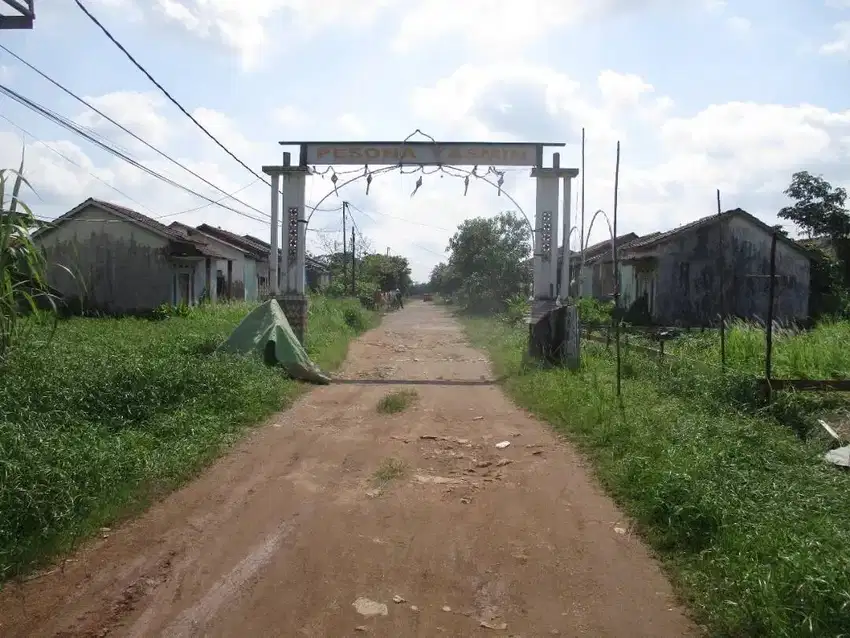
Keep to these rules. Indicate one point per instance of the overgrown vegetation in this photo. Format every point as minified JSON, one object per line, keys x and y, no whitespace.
{"x":23,"y":285}
{"x":752,"y":524}
{"x":489,"y":263}
{"x":110,"y":413}
{"x":389,"y":470}
{"x":397,"y":401}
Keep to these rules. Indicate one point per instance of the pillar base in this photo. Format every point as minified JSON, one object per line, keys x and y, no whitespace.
{"x":296,"y":308}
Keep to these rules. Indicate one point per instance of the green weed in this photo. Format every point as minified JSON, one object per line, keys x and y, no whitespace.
{"x":397,"y":401}
{"x":389,"y":470}
{"x":752,"y":525}
{"x":111,"y":413}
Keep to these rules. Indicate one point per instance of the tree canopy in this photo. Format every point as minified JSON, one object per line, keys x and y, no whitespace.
{"x":488,"y":263}
{"x":818,"y":208}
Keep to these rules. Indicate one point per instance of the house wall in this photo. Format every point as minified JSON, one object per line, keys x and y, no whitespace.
{"x":688,"y":278}
{"x":117,"y":266}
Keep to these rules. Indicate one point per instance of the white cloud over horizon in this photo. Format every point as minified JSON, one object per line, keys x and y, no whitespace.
{"x":678,"y":146}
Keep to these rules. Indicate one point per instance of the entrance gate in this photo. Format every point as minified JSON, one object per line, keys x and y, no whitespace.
{"x":289,"y":180}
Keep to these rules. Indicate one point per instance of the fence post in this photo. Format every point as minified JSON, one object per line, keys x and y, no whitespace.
{"x":768,"y":342}
{"x":722,"y":277}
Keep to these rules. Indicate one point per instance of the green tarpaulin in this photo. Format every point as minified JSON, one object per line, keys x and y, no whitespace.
{"x":267,"y":333}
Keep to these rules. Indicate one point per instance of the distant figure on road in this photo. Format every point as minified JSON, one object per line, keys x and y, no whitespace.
{"x":398,"y":298}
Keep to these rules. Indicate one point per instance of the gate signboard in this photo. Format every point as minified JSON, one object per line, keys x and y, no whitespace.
{"x":421,"y":153}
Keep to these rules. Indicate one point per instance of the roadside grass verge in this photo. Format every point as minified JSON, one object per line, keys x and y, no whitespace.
{"x":752,"y":526}
{"x":397,"y":401}
{"x":112,"y":413}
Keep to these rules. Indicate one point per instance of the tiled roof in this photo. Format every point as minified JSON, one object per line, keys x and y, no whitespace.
{"x":241,"y":241}
{"x":189,"y":245}
{"x":655,"y":239}
{"x":627,"y":243}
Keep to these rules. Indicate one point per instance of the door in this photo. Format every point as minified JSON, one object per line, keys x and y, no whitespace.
{"x":184,"y":284}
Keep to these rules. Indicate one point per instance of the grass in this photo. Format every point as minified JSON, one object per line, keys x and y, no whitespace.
{"x":814,"y":354}
{"x":397,"y":401}
{"x":389,"y":470}
{"x":111,"y":413}
{"x":751,"y":524}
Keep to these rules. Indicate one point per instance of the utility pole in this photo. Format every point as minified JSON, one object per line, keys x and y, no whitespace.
{"x":344,"y":252}
{"x":353,"y":266}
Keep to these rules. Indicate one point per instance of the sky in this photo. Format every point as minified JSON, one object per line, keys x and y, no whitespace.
{"x":701,"y":94}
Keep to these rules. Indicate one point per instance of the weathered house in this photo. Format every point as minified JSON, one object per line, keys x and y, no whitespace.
{"x":683,"y":276}
{"x":597,"y":277}
{"x":237,"y":272}
{"x":317,"y":275}
{"x":121,"y":261}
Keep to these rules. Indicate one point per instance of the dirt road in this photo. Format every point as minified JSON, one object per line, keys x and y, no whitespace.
{"x":292,"y":534}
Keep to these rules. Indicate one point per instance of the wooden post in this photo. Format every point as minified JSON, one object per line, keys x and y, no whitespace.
{"x":768,"y":346}
{"x":722,"y":274}
{"x":616,"y":273}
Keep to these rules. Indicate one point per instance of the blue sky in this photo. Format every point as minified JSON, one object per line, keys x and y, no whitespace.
{"x":703,"y":94}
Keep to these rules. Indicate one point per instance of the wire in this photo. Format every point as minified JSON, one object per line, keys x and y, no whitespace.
{"x":125,"y":129}
{"x":74,"y":128}
{"x":167,"y":94}
{"x":70,"y":161}
{"x":409,"y":221}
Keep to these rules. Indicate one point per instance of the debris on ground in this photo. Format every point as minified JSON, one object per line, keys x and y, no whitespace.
{"x":478,"y":418}
{"x":446,"y":608}
{"x":428,"y":437}
{"x":484,"y":464}
{"x":504,"y":462}
{"x":398,"y":599}
{"x":497,"y":626}
{"x":503,"y":444}
{"x":362,"y":628}
{"x":465,"y":501}
{"x":620,"y":530}
{"x":829,"y":430}
{"x":839,"y":456}
{"x":438,"y":480}
{"x":414,"y":608}
{"x":366,"y":607}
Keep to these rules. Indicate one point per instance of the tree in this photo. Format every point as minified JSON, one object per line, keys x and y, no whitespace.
{"x":489,"y":261}
{"x":818,"y":208}
{"x":387,"y":271}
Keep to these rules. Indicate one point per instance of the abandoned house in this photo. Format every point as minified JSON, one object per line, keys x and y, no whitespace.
{"x":316,"y":274}
{"x":121,"y":261}
{"x":677,"y":277}
{"x":240,"y":275}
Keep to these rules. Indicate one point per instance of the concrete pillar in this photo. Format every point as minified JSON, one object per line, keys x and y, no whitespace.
{"x":275,"y":234}
{"x":546,"y":224}
{"x":293,"y":256}
{"x":565,"y":264}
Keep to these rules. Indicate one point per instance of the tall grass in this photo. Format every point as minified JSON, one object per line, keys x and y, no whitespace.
{"x":752,"y":525}
{"x":22,"y":265}
{"x":819,"y":353}
{"x":110,"y":413}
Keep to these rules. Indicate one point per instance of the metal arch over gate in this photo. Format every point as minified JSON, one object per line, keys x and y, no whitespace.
{"x":416,"y":153}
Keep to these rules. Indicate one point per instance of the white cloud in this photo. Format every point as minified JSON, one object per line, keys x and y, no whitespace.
{"x":290,"y":117}
{"x":352,"y":125}
{"x":841,"y":44}
{"x":739,"y":25}
{"x":139,"y":112}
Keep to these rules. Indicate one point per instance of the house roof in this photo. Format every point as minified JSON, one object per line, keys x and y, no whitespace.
{"x":243,"y":242}
{"x":312,"y":262}
{"x":186,"y":245}
{"x":599,"y":248}
{"x":656,"y":239}
{"x":220,"y":236}
{"x":621,"y":247}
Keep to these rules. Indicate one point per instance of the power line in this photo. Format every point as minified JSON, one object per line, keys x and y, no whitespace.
{"x":409,"y":221}
{"x":166,"y":93}
{"x":74,"y":128}
{"x":70,"y":161}
{"x":81,"y":100}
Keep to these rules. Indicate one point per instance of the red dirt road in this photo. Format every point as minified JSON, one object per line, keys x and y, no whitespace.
{"x":283,"y":535}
